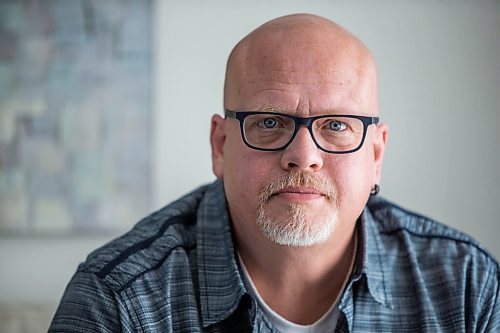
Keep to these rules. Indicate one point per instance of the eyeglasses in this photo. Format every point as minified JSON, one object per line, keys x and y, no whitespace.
{"x":271,"y":131}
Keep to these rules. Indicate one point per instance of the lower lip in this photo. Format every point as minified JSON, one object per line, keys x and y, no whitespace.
{"x":298,"y":197}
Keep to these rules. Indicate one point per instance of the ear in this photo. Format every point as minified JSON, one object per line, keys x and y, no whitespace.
{"x":217,"y":141}
{"x":379,"y":142}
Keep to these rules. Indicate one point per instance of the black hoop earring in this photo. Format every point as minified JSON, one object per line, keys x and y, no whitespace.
{"x":375,"y":189}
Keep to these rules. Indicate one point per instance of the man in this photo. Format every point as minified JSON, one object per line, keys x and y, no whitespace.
{"x":291,"y":237}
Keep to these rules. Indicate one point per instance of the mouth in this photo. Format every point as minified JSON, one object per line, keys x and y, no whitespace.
{"x":298,"y":194}
{"x":298,"y":187}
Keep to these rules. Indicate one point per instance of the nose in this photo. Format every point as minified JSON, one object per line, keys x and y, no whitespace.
{"x":302,"y":153}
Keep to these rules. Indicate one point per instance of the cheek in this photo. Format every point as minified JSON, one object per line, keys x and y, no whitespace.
{"x":245,"y":170}
{"x":349,"y":172}
{"x":241,"y":164}
{"x":243,"y":174}
{"x":352,"y":175}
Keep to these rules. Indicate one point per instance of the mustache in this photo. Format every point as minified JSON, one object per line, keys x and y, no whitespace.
{"x":297,"y":179}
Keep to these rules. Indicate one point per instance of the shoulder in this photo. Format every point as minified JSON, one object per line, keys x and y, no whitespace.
{"x":422,"y":234}
{"x":148,"y":245}
{"x":426,"y":266}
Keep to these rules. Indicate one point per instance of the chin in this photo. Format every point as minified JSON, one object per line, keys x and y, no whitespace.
{"x":299,"y":227}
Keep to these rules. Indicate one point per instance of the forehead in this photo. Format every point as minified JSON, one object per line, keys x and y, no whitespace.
{"x":284,"y":89}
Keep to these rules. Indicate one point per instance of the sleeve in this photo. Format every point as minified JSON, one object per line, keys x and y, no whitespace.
{"x":490,"y":319}
{"x":88,"y":305}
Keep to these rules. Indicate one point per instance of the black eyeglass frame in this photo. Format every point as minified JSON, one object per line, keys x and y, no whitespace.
{"x":300,"y":121}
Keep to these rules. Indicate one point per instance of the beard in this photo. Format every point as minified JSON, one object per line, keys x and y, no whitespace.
{"x":295,"y":225}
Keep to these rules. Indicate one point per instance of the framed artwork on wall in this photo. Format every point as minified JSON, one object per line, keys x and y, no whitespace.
{"x":75,"y":115}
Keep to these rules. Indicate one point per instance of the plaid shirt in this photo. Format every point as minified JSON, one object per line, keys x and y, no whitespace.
{"x":176,"y":271}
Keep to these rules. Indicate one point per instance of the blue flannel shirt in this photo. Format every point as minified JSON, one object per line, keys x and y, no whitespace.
{"x":176,"y":271}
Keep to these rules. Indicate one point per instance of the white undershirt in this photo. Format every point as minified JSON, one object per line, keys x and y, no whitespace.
{"x":325,"y":324}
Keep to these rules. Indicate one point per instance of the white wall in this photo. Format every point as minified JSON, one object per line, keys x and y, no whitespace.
{"x":439,"y":79}
{"x":36,"y":271}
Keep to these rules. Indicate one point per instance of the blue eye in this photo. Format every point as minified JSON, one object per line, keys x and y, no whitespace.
{"x":269,"y":123}
{"x":337,"y":126}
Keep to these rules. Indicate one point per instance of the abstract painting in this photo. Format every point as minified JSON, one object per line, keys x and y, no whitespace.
{"x":75,"y":115}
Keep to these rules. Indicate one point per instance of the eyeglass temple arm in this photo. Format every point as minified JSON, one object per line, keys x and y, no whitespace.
{"x":229,"y":113}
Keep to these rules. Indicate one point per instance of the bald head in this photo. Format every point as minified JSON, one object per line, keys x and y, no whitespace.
{"x":298,"y":49}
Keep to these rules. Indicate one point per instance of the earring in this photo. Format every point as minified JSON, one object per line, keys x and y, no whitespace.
{"x":375,"y":189}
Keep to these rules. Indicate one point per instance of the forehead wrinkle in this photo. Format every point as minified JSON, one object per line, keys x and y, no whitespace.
{"x":292,"y":76}
{"x":270,"y":108}
{"x":279,"y":109}
{"x":344,"y":101}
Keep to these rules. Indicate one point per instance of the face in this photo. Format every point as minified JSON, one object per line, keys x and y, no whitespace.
{"x":299,"y":196}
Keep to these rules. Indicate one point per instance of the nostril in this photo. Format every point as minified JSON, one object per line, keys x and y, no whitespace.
{"x":292,"y":165}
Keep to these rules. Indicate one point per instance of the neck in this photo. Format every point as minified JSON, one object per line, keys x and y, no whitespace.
{"x":299,"y":283}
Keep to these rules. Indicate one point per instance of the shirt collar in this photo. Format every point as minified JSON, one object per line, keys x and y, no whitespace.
{"x":370,"y":258}
{"x":221,"y":286}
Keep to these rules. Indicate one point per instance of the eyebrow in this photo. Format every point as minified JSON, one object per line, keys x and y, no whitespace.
{"x":271,"y":108}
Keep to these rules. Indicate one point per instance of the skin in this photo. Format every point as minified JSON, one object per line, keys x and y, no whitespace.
{"x":303,"y":65}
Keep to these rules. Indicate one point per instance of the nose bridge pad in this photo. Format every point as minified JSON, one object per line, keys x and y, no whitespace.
{"x":307,"y":124}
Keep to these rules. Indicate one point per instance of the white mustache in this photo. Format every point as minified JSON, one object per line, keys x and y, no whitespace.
{"x":297,"y":179}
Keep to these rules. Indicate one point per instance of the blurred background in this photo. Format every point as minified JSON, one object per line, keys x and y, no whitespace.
{"x":105,"y":109}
